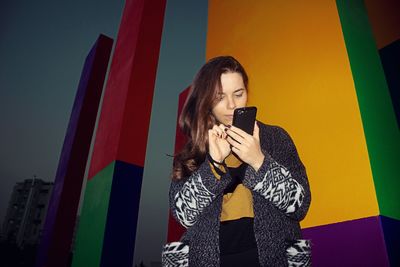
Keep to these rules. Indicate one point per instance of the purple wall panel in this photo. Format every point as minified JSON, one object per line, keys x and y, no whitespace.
{"x":54,"y":248}
{"x":352,"y":243}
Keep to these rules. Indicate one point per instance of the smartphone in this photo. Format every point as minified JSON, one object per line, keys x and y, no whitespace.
{"x":244,"y":118}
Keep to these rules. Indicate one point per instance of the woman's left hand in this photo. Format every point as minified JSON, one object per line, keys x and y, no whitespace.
{"x":246,"y":147}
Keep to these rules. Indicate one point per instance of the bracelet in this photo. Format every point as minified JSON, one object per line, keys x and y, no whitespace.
{"x":213,"y":161}
{"x":218,"y":169}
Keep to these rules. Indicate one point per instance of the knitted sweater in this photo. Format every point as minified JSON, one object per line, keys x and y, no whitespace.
{"x":281,"y":198}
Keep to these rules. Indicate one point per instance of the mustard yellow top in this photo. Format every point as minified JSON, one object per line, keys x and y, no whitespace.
{"x":239,"y":203}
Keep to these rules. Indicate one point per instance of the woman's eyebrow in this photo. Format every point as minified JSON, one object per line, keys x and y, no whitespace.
{"x":237,"y":90}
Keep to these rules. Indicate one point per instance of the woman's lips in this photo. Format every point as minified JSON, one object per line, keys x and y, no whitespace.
{"x":229,"y":119}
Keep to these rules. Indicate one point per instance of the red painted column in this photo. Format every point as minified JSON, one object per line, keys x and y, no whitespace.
{"x":116,"y":169}
{"x":125,"y":115}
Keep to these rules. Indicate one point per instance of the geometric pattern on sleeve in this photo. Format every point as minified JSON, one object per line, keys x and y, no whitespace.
{"x":299,"y":253}
{"x":175,"y":254}
{"x":191,"y":200}
{"x":281,"y":189}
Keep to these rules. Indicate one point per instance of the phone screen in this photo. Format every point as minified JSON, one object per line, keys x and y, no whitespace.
{"x":244,"y":118}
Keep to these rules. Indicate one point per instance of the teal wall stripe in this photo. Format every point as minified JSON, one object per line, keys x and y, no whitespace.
{"x":183,"y":51}
{"x":379,"y":121}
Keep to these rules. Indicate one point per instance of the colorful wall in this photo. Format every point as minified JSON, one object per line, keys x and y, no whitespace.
{"x":315,"y":69}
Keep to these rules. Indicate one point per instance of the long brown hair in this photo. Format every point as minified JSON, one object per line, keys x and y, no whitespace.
{"x":196,"y":117}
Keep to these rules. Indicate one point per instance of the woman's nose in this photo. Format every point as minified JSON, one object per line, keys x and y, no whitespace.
{"x":231,"y":103}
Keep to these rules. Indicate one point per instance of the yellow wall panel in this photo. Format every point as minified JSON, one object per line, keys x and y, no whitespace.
{"x":300,"y":79}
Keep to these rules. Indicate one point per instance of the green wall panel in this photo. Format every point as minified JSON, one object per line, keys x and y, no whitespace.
{"x":89,"y":243}
{"x":379,"y":121}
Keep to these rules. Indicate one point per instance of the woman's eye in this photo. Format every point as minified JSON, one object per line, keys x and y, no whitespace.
{"x":239,"y":95}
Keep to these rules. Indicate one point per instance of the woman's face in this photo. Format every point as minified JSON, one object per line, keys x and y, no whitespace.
{"x":233,"y":95}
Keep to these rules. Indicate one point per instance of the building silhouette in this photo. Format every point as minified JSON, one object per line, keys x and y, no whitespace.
{"x":26,"y":212}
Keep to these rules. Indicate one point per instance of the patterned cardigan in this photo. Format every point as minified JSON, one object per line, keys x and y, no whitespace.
{"x":281,"y":198}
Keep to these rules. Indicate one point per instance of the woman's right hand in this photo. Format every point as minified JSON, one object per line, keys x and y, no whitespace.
{"x":218,"y":146}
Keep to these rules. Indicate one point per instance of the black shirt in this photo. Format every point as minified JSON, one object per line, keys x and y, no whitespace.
{"x":236,"y":235}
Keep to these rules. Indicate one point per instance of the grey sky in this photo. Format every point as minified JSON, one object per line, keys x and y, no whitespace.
{"x":43,"y":46}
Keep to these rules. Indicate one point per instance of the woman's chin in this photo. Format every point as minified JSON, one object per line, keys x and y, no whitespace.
{"x":226,"y":122}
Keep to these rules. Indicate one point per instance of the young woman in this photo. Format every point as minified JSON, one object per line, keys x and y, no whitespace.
{"x":240,"y":196}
